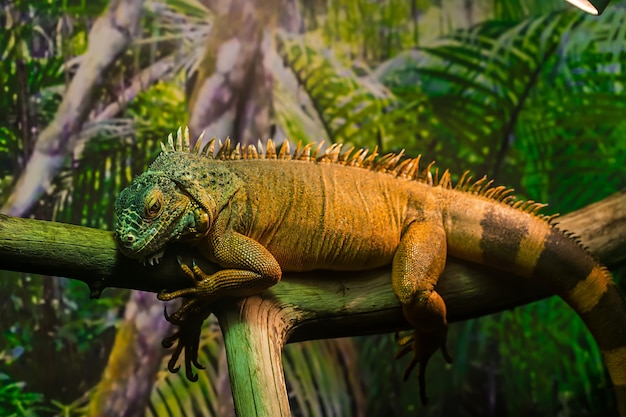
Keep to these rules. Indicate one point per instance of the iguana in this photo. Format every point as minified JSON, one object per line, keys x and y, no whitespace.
{"x":258,"y":213}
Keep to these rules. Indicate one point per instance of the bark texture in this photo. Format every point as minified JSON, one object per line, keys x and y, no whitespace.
{"x":109,"y":37}
{"x":231,"y":91}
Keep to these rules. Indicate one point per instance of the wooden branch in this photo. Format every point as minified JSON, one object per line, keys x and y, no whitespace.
{"x":90,"y":255}
{"x":307,"y":306}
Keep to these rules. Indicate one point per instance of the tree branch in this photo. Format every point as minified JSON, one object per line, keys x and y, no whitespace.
{"x":304,"y":306}
{"x":336,"y":303}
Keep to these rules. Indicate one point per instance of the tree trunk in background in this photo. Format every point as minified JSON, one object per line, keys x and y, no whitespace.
{"x":109,"y":37}
{"x":231,"y":92}
{"x":125,"y":387}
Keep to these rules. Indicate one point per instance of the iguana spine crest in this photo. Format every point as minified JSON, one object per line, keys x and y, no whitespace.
{"x":390,"y":163}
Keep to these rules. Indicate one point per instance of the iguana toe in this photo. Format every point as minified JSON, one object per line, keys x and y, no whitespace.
{"x":423,"y":345}
{"x":187,"y":338}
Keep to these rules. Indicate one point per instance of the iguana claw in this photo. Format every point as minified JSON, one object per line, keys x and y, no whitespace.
{"x":187,"y":338}
{"x":423,"y":345}
{"x":198,"y":280}
{"x":189,"y":318}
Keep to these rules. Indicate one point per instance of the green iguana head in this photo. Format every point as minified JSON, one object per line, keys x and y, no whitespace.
{"x":152,"y":211}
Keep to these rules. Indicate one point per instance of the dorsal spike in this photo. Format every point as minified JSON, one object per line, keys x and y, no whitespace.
{"x":490,"y":193}
{"x":270,"y":152}
{"x":550,"y":219}
{"x":357,"y":158}
{"x":209,"y":148}
{"x":391,"y":163}
{"x":224,"y":149}
{"x":335,"y":151}
{"x":296,"y":153}
{"x":331,"y":153}
{"x":446,"y":181}
{"x":461,"y":182}
{"x":493,"y":193}
{"x":534,"y":208}
{"x":400,"y":169}
{"x":369,"y":161}
{"x":483,"y":187}
{"x":506,"y":194}
{"x":198,"y":145}
{"x":477,"y":185}
{"x":179,"y":140}
{"x":426,"y":176}
{"x":381,"y":164}
{"x":411,"y":174}
{"x":518,"y":204}
{"x":227,"y":146}
{"x":509,"y":199}
{"x":343,"y":157}
{"x":186,"y":140}
{"x":252,"y":152}
{"x":408,"y":171}
{"x":502,"y":192}
{"x":305,"y":155}
{"x":259,"y":148}
{"x":164,"y":148}
{"x":236,"y":153}
{"x":317,"y":150}
{"x":284,"y":152}
{"x":170,"y":143}
{"x":220,"y":150}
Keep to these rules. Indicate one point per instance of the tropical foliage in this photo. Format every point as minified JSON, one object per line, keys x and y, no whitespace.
{"x":528,"y":92}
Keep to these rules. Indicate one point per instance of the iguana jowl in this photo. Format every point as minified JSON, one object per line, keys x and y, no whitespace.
{"x":257,"y":214}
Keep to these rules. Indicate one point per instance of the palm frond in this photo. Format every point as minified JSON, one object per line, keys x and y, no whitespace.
{"x":353,"y":109}
{"x":322,"y":378}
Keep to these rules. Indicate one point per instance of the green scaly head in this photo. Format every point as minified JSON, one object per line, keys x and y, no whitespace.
{"x":154,"y":210}
{"x":178,"y":198}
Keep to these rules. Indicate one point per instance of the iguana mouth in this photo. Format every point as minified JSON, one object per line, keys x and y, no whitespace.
{"x":154,"y":259}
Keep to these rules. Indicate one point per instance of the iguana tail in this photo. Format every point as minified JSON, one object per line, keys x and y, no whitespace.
{"x":489,"y":229}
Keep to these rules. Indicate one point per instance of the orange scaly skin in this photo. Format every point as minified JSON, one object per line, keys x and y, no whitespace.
{"x":262,"y":215}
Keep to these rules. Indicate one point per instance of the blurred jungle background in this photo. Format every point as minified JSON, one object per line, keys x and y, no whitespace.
{"x":528,"y":92}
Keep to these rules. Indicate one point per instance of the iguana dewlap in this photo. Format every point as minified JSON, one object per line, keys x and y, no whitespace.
{"x":257,"y":214}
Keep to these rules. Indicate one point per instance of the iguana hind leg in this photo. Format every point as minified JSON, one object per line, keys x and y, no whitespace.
{"x":417,"y":265}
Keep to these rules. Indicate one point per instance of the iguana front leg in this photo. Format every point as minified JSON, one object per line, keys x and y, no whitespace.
{"x":250,"y":269}
{"x":417,"y":265}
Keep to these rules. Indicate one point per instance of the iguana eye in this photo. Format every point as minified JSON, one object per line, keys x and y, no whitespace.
{"x":153,"y":205}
